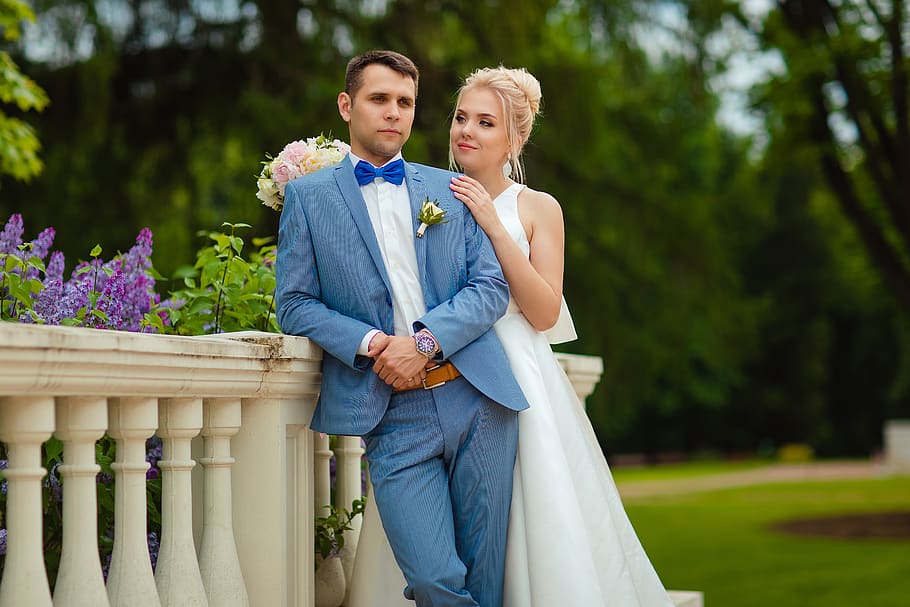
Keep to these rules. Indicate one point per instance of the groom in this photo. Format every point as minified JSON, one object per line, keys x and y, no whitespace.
{"x":410,"y":362}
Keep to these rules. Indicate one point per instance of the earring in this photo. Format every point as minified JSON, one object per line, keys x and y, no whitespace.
{"x":507,"y":167}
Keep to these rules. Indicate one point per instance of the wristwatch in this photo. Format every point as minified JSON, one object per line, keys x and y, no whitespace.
{"x":426,"y":343}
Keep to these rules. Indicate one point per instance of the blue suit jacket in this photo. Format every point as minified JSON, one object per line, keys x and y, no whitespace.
{"x":333,"y":287}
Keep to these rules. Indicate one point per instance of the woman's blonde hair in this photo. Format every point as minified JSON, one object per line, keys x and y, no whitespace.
{"x":519,"y":92}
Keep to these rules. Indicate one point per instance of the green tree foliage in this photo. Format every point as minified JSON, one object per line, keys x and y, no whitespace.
{"x":846,"y":95}
{"x":19,"y":144}
{"x":830,"y":260}
{"x":680,"y":245}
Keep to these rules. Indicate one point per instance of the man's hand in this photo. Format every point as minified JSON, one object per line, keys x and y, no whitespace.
{"x":377,"y":345}
{"x":399,"y":364}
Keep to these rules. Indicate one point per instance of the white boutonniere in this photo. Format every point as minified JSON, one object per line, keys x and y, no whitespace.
{"x":430,"y":214}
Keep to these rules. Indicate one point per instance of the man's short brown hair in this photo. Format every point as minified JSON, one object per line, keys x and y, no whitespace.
{"x":396,"y":61}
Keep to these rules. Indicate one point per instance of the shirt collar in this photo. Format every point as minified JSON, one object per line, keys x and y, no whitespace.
{"x":355,"y":159}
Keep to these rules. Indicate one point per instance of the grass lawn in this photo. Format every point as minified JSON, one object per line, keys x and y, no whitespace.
{"x":718,"y":542}
{"x":662,"y":472}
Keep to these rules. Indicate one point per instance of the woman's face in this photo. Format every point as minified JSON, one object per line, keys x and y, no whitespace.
{"x":478,"y":135}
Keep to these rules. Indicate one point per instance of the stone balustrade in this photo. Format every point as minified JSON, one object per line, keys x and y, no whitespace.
{"x":238,"y":528}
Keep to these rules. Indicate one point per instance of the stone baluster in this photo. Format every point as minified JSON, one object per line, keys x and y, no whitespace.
{"x":584,"y":372}
{"x":273,"y":501}
{"x":177,"y":575}
{"x":322,"y":492}
{"x":349,"y":482}
{"x":80,"y":422}
{"x":218,"y":560}
{"x":130,"y":581}
{"x":25,"y":423}
{"x":349,"y":487}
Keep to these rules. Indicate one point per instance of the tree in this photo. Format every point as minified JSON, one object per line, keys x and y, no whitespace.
{"x":657,"y":197}
{"x":845,"y":95}
{"x":19,"y":144}
{"x":831,"y":261}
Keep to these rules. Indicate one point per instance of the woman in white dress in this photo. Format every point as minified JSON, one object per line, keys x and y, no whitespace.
{"x":570,"y":541}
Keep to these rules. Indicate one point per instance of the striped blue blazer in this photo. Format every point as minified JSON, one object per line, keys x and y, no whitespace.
{"x":333,"y":287}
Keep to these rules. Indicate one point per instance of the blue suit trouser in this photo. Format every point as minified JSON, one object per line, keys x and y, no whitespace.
{"x":441,"y":465}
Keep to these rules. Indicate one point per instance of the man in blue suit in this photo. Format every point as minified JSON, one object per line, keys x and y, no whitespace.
{"x":410,"y":360}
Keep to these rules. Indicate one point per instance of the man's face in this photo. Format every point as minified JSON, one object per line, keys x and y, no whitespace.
{"x":380,"y":114}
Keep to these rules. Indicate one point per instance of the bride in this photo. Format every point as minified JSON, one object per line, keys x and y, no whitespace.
{"x":570,"y":541}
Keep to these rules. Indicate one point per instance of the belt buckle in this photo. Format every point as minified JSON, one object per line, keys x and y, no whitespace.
{"x":424,"y":380}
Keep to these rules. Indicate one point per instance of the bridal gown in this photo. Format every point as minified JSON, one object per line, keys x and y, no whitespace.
{"x":570,"y":541}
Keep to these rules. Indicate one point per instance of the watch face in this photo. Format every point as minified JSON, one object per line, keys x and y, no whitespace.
{"x":426,"y":345}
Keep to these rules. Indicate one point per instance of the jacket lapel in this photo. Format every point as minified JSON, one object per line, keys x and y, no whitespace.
{"x":350,"y":192}
{"x":418,"y":194}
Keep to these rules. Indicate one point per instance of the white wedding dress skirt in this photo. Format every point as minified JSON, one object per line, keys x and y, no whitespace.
{"x":570,"y":541}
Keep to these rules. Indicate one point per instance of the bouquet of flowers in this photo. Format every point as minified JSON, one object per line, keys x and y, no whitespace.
{"x":296,"y":159}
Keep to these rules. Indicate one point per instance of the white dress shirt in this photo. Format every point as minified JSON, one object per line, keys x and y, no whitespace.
{"x":389,"y":207}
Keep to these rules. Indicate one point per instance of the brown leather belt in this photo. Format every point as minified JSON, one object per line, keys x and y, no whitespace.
{"x":436,"y":376}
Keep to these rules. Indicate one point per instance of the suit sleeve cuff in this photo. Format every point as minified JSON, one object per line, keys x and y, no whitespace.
{"x":365,"y":342}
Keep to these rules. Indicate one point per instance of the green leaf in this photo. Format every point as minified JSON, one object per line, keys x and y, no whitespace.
{"x":201,"y":304}
{"x":184,"y":271}
{"x":53,"y":449}
{"x":101,"y":315}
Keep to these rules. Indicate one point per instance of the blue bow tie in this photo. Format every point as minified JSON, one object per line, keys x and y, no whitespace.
{"x":392,"y":172}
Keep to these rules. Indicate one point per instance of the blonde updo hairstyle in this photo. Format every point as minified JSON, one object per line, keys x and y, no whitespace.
{"x":519,"y":92}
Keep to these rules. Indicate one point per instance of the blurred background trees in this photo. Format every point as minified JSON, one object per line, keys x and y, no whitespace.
{"x":734,"y":176}
{"x":19,"y":144}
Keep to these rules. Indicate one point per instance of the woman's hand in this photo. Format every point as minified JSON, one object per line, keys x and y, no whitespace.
{"x":478,"y":200}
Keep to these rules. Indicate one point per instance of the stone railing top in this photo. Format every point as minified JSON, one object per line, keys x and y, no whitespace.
{"x":581,"y":364}
{"x":71,"y":361}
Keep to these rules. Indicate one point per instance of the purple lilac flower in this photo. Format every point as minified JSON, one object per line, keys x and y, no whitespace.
{"x":74,"y":298}
{"x":111,"y":302}
{"x":48,"y":305}
{"x":138,"y":258}
{"x":154,"y":451}
{"x":154,"y":547}
{"x":106,"y":566}
{"x":3,"y":485}
{"x":2,"y":542}
{"x":55,"y":265}
{"x":42,"y":245}
{"x":138,"y":298}
{"x":40,"y":248}
{"x":126,"y":289}
{"x":11,"y":236}
{"x":53,"y":483}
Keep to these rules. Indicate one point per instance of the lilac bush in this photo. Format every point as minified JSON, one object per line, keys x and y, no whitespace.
{"x":116,"y":294}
